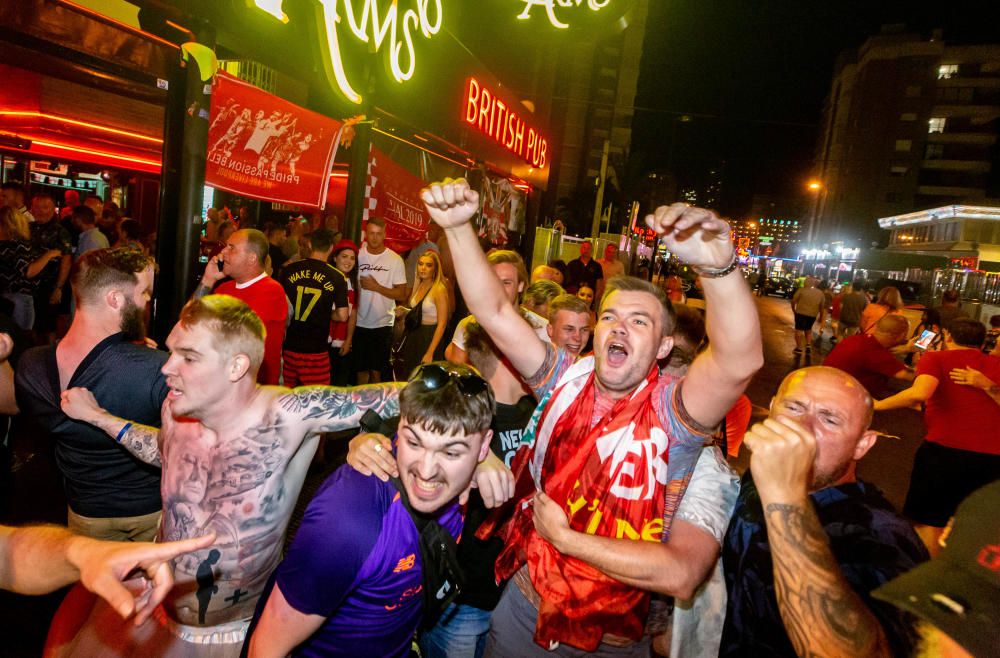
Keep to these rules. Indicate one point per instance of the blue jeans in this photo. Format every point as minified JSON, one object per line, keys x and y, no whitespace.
{"x":460,"y":633}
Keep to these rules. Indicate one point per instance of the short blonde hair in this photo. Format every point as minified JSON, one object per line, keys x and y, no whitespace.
{"x":235,"y":328}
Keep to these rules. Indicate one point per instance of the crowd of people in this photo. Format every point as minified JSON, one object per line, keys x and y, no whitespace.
{"x":541,"y":467}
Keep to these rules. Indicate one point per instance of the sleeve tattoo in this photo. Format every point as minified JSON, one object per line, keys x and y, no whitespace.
{"x":332,"y":409}
{"x":822,"y":614}
{"x":143,"y":441}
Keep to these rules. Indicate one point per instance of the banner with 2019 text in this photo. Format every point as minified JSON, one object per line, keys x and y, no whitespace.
{"x":264,"y":147}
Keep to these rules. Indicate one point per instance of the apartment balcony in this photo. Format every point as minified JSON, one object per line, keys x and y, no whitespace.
{"x":970,"y":166}
{"x":949,"y":190}
{"x":974,"y":139}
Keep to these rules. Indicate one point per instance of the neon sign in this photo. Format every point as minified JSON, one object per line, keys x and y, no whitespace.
{"x":487,"y":112}
{"x":550,"y":9}
{"x":395,"y":31}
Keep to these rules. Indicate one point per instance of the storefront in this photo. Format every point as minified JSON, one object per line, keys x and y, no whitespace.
{"x":91,"y":103}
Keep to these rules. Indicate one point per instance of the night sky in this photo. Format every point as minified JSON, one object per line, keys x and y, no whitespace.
{"x":753,"y":75}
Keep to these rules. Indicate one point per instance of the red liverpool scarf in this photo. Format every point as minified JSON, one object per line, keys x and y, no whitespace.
{"x":610,"y":478}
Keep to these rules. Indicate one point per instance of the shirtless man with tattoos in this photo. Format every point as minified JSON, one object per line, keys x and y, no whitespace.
{"x":234,"y":456}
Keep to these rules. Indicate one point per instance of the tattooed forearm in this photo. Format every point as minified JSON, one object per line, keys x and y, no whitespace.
{"x":822,"y":614}
{"x":142,"y":441}
{"x":331,"y":409}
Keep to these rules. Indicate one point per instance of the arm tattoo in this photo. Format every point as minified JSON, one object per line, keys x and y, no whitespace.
{"x":331,"y":409}
{"x":201,"y":291}
{"x":822,"y":614}
{"x":143,"y":441}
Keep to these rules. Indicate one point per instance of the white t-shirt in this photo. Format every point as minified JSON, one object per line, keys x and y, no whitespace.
{"x":375,"y":310}
{"x":537,"y":322}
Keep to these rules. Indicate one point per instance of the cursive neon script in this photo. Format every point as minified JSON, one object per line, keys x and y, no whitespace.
{"x":396,"y":30}
{"x":550,"y":8}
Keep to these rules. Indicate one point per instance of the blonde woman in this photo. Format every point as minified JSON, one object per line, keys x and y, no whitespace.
{"x":888,"y":301}
{"x":426,"y":315}
{"x":19,"y":267}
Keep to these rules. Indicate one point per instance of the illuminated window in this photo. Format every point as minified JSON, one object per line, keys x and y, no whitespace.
{"x":903,"y":144}
{"x":936,"y":125}
{"x":898,"y":171}
{"x":946,"y":71}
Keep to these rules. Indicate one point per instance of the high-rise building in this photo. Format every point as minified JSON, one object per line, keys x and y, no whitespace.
{"x":910,"y":123}
{"x":593,"y":103}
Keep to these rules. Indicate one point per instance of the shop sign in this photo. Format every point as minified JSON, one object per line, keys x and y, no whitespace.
{"x":561,"y":12}
{"x":394,"y":34}
{"x":488,"y":113}
{"x":264,"y":147}
{"x":965,"y":263}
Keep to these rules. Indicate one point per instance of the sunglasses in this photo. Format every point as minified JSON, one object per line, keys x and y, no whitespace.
{"x":434,"y":377}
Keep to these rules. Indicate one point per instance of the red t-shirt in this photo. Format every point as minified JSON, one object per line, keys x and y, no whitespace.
{"x":960,"y":416}
{"x":267,"y":299}
{"x":864,"y":358}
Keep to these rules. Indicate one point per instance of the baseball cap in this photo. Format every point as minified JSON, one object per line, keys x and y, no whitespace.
{"x":959,"y":591}
{"x":345,"y":244}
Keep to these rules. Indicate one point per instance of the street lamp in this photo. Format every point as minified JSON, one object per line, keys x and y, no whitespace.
{"x":815,"y":186}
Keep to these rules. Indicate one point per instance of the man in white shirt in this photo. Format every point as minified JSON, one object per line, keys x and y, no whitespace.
{"x":382,"y":282}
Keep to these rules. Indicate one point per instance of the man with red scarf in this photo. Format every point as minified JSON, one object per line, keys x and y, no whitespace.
{"x":607,"y":455}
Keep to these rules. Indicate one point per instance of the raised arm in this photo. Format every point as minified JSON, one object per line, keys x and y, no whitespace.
{"x":721,"y":373}
{"x":142,"y":441}
{"x":822,"y":613}
{"x":332,"y":409}
{"x":452,"y":205}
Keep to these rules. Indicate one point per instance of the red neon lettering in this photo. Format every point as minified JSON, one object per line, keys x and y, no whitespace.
{"x":532,"y":136}
{"x":485,"y":99}
{"x":519,"y":140}
{"x":472,"y":109}
{"x":501,"y":120}
{"x":541,"y":161}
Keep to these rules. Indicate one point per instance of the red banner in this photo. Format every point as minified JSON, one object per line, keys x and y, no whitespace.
{"x":264,"y":147}
{"x":393,"y":194}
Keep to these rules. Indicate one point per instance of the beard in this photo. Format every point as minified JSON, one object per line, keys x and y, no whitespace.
{"x":133,"y":322}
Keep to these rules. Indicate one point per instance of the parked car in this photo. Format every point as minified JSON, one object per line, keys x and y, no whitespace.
{"x":781,"y":286}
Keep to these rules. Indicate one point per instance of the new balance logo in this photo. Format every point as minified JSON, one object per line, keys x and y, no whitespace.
{"x":405,"y":564}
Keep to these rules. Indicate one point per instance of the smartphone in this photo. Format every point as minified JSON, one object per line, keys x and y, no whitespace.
{"x":925,"y":340}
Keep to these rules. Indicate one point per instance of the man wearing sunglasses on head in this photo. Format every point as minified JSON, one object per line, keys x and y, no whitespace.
{"x":353,"y":582}
{"x":613,"y":442}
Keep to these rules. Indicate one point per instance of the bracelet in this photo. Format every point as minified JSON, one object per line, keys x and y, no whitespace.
{"x":716,"y":273}
{"x":122,"y":432}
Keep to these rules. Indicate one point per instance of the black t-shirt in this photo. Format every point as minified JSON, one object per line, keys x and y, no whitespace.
{"x":102,"y":478}
{"x":580,"y":274}
{"x":477,"y":557}
{"x":50,"y":235}
{"x":278,"y":258}
{"x":314,"y":289}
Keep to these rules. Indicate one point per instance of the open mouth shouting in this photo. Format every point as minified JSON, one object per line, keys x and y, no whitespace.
{"x":617,"y":354}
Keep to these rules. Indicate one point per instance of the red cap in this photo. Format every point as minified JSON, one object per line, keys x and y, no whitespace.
{"x":345,"y":244}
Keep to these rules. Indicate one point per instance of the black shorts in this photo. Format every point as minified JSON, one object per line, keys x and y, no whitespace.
{"x":370,"y":348}
{"x":942,"y":478}
{"x":804,"y":322}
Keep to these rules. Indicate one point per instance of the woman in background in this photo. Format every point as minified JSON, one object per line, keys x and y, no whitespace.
{"x":425,"y":318}
{"x":344,"y":257}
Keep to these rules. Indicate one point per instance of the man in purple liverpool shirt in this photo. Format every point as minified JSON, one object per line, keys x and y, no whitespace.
{"x":351,"y":584}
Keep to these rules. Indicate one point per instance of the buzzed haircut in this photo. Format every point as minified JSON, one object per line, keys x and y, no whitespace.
{"x":567,"y":302}
{"x":100,"y":269}
{"x":43,"y":196}
{"x":634,"y":284}
{"x":321,"y":239}
{"x":84,"y":215}
{"x":967,"y":332}
{"x":541,"y":292}
{"x":949,"y":297}
{"x":689,"y":335}
{"x":377,"y":221}
{"x":257,"y":244}
{"x":272,"y":227}
{"x":447,"y":410}
{"x":481,"y":350}
{"x":507,"y":256}
{"x":235,"y":328}
{"x":892,"y":324}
